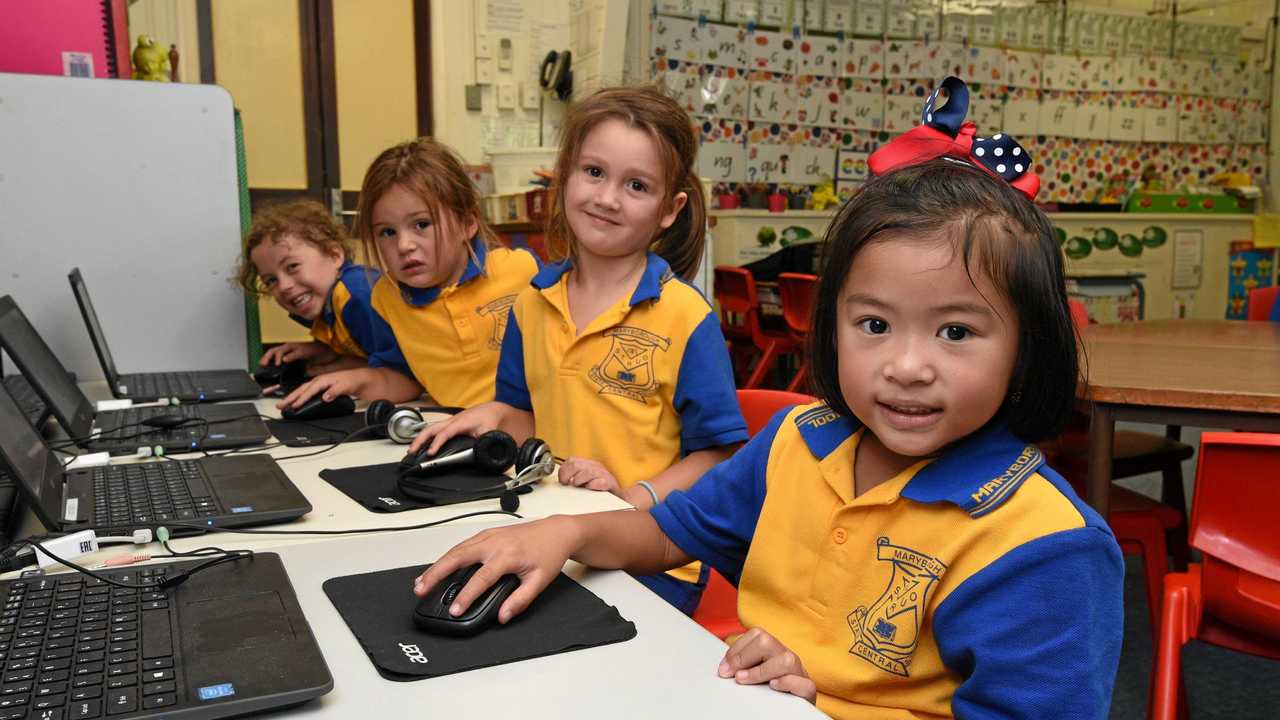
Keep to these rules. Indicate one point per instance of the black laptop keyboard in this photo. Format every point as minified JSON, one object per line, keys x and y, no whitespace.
{"x":157,"y":385}
{"x":25,"y":395}
{"x":76,"y":647}
{"x":126,"y":424}
{"x":147,"y":494}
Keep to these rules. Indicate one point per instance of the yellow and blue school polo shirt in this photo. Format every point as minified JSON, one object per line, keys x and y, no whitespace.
{"x":975,"y":584}
{"x":646,"y":383}
{"x":451,"y":336}
{"x":348,"y":324}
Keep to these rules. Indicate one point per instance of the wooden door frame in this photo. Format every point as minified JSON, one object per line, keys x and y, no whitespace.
{"x":319,"y":93}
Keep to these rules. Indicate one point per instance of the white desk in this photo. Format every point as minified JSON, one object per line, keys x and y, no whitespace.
{"x":667,"y":670}
{"x":333,"y":510}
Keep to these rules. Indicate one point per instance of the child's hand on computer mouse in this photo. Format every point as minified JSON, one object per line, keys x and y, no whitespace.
{"x":535,"y":552}
{"x":332,"y":385}
{"x":287,"y":352}
{"x":474,"y":421}
{"x":757,"y":657}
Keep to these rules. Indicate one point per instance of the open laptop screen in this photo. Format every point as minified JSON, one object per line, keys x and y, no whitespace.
{"x":43,"y":371}
{"x":95,"y":328}
{"x":30,"y":462}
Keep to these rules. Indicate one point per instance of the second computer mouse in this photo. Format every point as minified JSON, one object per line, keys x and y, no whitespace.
{"x":289,"y":375}
{"x":453,"y":445}
{"x":317,"y":409}
{"x":164,"y":421}
{"x":432,"y":612}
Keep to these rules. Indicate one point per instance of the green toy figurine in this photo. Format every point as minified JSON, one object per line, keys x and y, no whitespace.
{"x":150,"y":61}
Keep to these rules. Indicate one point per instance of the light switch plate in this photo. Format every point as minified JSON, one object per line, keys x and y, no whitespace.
{"x":528,"y":96}
{"x":506,"y":96}
{"x":484,"y":71}
{"x":505,"y":51}
{"x":484,"y":46}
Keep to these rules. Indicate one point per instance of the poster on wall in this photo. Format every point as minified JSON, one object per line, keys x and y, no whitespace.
{"x":1249,"y":268}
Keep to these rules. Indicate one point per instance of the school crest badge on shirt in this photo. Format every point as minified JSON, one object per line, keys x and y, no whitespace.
{"x":500,"y":309}
{"x":886,"y":632}
{"x":627,"y":369}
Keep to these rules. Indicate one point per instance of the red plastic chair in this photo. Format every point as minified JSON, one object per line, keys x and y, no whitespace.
{"x":735,"y":290}
{"x":718,"y":609}
{"x":797,"y":291}
{"x":1231,"y":598}
{"x":1142,"y":526}
{"x":1261,"y":301}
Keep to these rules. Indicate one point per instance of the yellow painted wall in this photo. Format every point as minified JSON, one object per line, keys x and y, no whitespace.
{"x":258,"y":59}
{"x":376,"y":81}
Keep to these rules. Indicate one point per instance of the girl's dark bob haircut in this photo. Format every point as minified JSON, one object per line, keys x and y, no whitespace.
{"x":999,"y":233}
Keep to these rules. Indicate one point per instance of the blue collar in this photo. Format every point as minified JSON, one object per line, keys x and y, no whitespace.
{"x":656,"y":273}
{"x":326,"y":312}
{"x":976,"y":474}
{"x":420,"y":297}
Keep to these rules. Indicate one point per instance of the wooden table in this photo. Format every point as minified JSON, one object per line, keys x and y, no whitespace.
{"x":1206,"y":373}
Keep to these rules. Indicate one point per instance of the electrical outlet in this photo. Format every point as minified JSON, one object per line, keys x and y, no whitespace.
{"x":529,"y":95}
{"x":484,"y":72}
{"x":484,"y":46}
{"x":506,"y":96}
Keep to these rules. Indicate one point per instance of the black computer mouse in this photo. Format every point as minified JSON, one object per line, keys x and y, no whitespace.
{"x":432,"y":613}
{"x":288,"y":375}
{"x":317,"y":409}
{"x":164,"y":421}
{"x":455,"y":444}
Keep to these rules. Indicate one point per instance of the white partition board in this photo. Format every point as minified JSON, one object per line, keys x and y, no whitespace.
{"x":135,"y":183}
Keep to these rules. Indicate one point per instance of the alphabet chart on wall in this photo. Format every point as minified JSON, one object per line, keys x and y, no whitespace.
{"x":800,"y":91}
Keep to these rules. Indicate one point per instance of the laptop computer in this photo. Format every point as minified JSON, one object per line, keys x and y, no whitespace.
{"x":25,"y":395}
{"x":226,"y":425}
{"x":194,"y":386}
{"x":235,"y":491}
{"x":231,"y":640}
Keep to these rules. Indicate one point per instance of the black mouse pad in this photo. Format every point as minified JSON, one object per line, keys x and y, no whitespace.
{"x":374,"y":487}
{"x":378,"y":608}
{"x":305,"y":433}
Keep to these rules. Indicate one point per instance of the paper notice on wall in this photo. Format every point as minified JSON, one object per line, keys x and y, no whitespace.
{"x":598,"y":39}
{"x":505,"y":17}
{"x":1058,"y":117}
{"x":765,"y":162}
{"x":1188,"y":258}
{"x":723,"y":161}
{"x":1022,"y":118}
{"x":1160,"y":124}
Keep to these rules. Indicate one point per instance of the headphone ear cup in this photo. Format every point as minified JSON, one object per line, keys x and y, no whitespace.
{"x":377,"y":414}
{"x":403,"y":425}
{"x":532,"y":452}
{"x":494,"y":452}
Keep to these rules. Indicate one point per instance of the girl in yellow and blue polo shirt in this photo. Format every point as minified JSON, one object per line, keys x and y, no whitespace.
{"x":298,"y":253}
{"x":610,"y":357}
{"x":900,"y":549}
{"x":449,"y":286}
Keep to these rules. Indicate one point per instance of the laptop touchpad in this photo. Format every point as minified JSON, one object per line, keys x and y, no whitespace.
{"x":253,"y":492}
{"x":259,"y":620}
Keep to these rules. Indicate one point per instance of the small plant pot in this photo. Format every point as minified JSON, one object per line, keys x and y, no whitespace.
{"x":777,"y":202}
{"x":728,"y":201}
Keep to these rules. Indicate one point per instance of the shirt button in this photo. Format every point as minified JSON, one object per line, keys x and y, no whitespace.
{"x":564,"y":327}
{"x":839,"y":535}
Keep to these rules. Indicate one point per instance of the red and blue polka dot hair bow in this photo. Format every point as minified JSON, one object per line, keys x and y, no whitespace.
{"x":944,"y":132}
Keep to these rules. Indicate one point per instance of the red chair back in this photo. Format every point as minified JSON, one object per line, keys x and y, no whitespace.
{"x":718,"y":609}
{"x":1261,"y":301}
{"x":1234,"y":524}
{"x":797,"y":292}
{"x":759,"y":405}
{"x":735,"y":290}
{"x":1079,"y":314}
